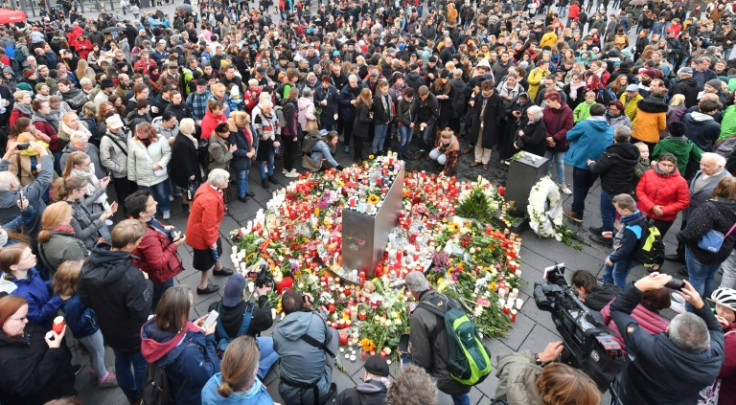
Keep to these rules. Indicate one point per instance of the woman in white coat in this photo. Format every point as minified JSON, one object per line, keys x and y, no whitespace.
{"x":148,"y":156}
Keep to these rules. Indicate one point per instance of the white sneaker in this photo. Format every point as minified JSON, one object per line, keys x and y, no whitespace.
{"x":167,"y":214}
{"x":564,"y":188}
{"x":292,"y":173}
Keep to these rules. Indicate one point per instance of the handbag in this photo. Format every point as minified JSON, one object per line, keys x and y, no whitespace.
{"x":312,"y":125}
{"x":192,"y":189}
{"x":713,"y":240}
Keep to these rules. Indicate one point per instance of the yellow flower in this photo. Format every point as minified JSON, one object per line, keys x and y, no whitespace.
{"x":453,"y":227}
{"x":368,"y":344}
{"x":371,"y":157}
{"x":374,"y":199}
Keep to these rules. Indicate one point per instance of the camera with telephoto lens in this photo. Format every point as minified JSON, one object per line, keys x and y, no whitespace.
{"x":588,"y":344}
{"x":264,"y":278}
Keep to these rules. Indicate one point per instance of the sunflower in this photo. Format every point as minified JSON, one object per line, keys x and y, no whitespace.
{"x":453,"y":227}
{"x":374,"y":199}
{"x":368,"y":344}
{"x":371,"y":157}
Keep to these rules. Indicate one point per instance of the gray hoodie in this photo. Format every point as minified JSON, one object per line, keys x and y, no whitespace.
{"x":300,"y":361}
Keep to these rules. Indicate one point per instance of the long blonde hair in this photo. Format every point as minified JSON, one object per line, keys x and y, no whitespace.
{"x":239,"y":365}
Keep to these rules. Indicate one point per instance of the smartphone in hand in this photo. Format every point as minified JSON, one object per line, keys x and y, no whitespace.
{"x":211,"y":319}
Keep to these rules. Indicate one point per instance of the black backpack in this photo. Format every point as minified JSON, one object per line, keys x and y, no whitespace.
{"x":156,"y":387}
{"x":649,"y":249}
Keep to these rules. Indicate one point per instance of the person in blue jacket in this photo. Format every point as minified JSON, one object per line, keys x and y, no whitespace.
{"x":238,"y":382}
{"x":19,"y":262}
{"x":183,"y":348}
{"x":621,"y":261}
{"x":589,"y":139}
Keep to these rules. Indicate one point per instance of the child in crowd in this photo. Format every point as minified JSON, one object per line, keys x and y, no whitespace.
{"x":582,"y":111}
{"x":621,"y":261}
{"x":446,"y":151}
{"x":643,"y":164}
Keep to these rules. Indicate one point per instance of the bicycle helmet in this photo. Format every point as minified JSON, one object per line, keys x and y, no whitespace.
{"x":725,"y":297}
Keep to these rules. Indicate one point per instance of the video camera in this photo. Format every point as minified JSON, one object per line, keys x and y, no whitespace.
{"x":262,"y":277}
{"x":588,"y":345}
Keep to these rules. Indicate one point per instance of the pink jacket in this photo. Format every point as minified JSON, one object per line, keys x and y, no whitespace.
{"x":647,"y":319}
{"x":306,"y":111}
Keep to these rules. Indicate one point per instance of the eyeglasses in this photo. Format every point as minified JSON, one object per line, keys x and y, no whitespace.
{"x":22,"y":318}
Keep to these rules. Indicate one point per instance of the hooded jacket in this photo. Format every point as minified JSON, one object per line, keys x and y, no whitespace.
{"x":684,"y":150}
{"x":61,"y":247}
{"x":189,"y":357}
{"x":589,"y":139}
{"x":119,"y":295}
{"x":43,"y":305}
{"x":31,"y":372}
{"x":658,"y":371}
{"x":650,"y":121}
{"x":702,"y":129}
{"x":300,"y":361}
{"x":370,"y":392}
{"x":75,"y":98}
{"x":719,"y":215}
{"x":256,"y":395}
{"x":667,"y":190}
{"x":616,"y":166}
{"x":517,"y":374}
{"x":688,"y":88}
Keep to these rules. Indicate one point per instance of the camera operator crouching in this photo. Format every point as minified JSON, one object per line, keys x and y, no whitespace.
{"x":535,"y":379}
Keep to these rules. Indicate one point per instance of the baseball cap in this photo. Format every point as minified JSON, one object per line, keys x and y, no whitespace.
{"x":233,"y":290}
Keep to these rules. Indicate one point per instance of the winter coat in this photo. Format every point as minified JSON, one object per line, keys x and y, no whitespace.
{"x":88,"y":227}
{"x":80,"y":319}
{"x":306,"y":111}
{"x":675,"y":113}
{"x":432,"y":355}
{"x":517,"y":374}
{"x":301,"y":362}
{"x":42,"y":303}
{"x":588,"y":139}
{"x":75,"y":98}
{"x":91,"y":151}
{"x":668,"y":190}
{"x":702,"y":129}
{"x":361,"y":124}
{"x":558,"y":122}
{"x":382,"y":114}
{"x":727,"y":394}
{"x":231,"y":318}
{"x":205,"y":217}
{"x":684,"y":150}
{"x":33,"y":192}
{"x":209,"y":123}
{"x":406,"y":111}
{"x":114,"y":153}
{"x":61,"y":247}
{"x":534,"y":137}
{"x":622,"y":120}
{"x":189,"y":358}
{"x":119,"y":294}
{"x":658,"y":371}
{"x":268,"y":131}
{"x":28,"y":165}
{"x":491,"y":120}
{"x":688,"y":88}
{"x":46,"y":128}
{"x":184,"y":161}
{"x":699,"y":195}
{"x":428,"y":110}
{"x":616,"y":166}
{"x":648,"y":319}
{"x":348,"y":94}
{"x":141,"y":160}
{"x":650,"y":121}
{"x":370,"y":392}
{"x":31,"y":372}
{"x":326,"y":116}
{"x":156,"y":256}
{"x":219,"y":151}
{"x":719,"y":215}
{"x":728,"y":123}
{"x":256,"y":395}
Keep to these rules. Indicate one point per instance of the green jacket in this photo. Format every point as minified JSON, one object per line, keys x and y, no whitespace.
{"x":581,"y":112}
{"x":517,"y":374}
{"x":684,"y":150}
{"x":728,"y":124}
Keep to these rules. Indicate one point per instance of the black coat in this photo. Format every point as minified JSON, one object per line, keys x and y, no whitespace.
{"x":348,"y":94}
{"x":381,"y":115}
{"x":184,"y":161}
{"x":30,"y":372}
{"x":240,"y":160}
{"x":119,"y":294}
{"x":719,"y":215}
{"x":534,"y":139}
{"x":688,"y":88}
{"x":616,"y":167}
{"x":363,"y":120}
{"x":491,"y":121}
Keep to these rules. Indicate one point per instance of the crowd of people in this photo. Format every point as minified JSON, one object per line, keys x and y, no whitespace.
{"x":106,"y":122}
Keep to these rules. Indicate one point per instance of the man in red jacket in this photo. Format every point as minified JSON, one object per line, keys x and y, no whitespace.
{"x":156,"y":254}
{"x":203,"y":229}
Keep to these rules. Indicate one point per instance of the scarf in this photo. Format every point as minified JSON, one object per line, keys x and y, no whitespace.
{"x":574,"y":89}
{"x":25,"y":109}
{"x":93,"y":183}
{"x":51,"y":119}
{"x":191,"y":138}
{"x":63,"y":229}
{"x":65,"y":132}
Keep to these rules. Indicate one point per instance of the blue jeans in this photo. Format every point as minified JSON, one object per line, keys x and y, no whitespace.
{"x":617,"y":273}
{"x":582,"y":180}
{"x":95,"y":345}
{"x":608,"y":211}
{"x":379,"y":136}
{"x":130,"y":380}
{"x":320,"y":151}
{"x":241,"y":179}
{"x":268,"y":356}
{"x":405,"y":134}
{"x":265,"y":168}
{"x":701,"y":276}
{"x":158,"y":292}
{"x":460,"y":399}
{"x":558,"y":159}
{"x":161,"y":193}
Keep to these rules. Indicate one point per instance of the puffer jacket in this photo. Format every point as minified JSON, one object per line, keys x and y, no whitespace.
{"x":141,"y":160}
{"x":668,"y":190}
{"x":616,"y":166}
{"x":702,"y":129}
{"x":189,"y":358}
{"x":650,"y":121}
{"x":156,"y":256}
{"x":517,"y":374}
{"x":719,"y":215}
{"x":114,"y":153}
{"x":81,"y":319}
{"x":648,"y":319}
{"x":75,"y":98}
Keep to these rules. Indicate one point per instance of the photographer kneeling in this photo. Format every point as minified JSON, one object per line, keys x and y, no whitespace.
{"x":670,"y":367}
{"x":524,"y":380}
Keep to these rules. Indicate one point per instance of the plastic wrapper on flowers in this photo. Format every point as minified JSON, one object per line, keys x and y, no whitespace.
{"x":298,"y":238}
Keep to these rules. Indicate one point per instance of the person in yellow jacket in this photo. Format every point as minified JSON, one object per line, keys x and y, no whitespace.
{"x":451,"y":13}
{"x":536,"y":76}
{"x":549,"y":38}
{"x":651,"y":120}
{"x":630,"y":99}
